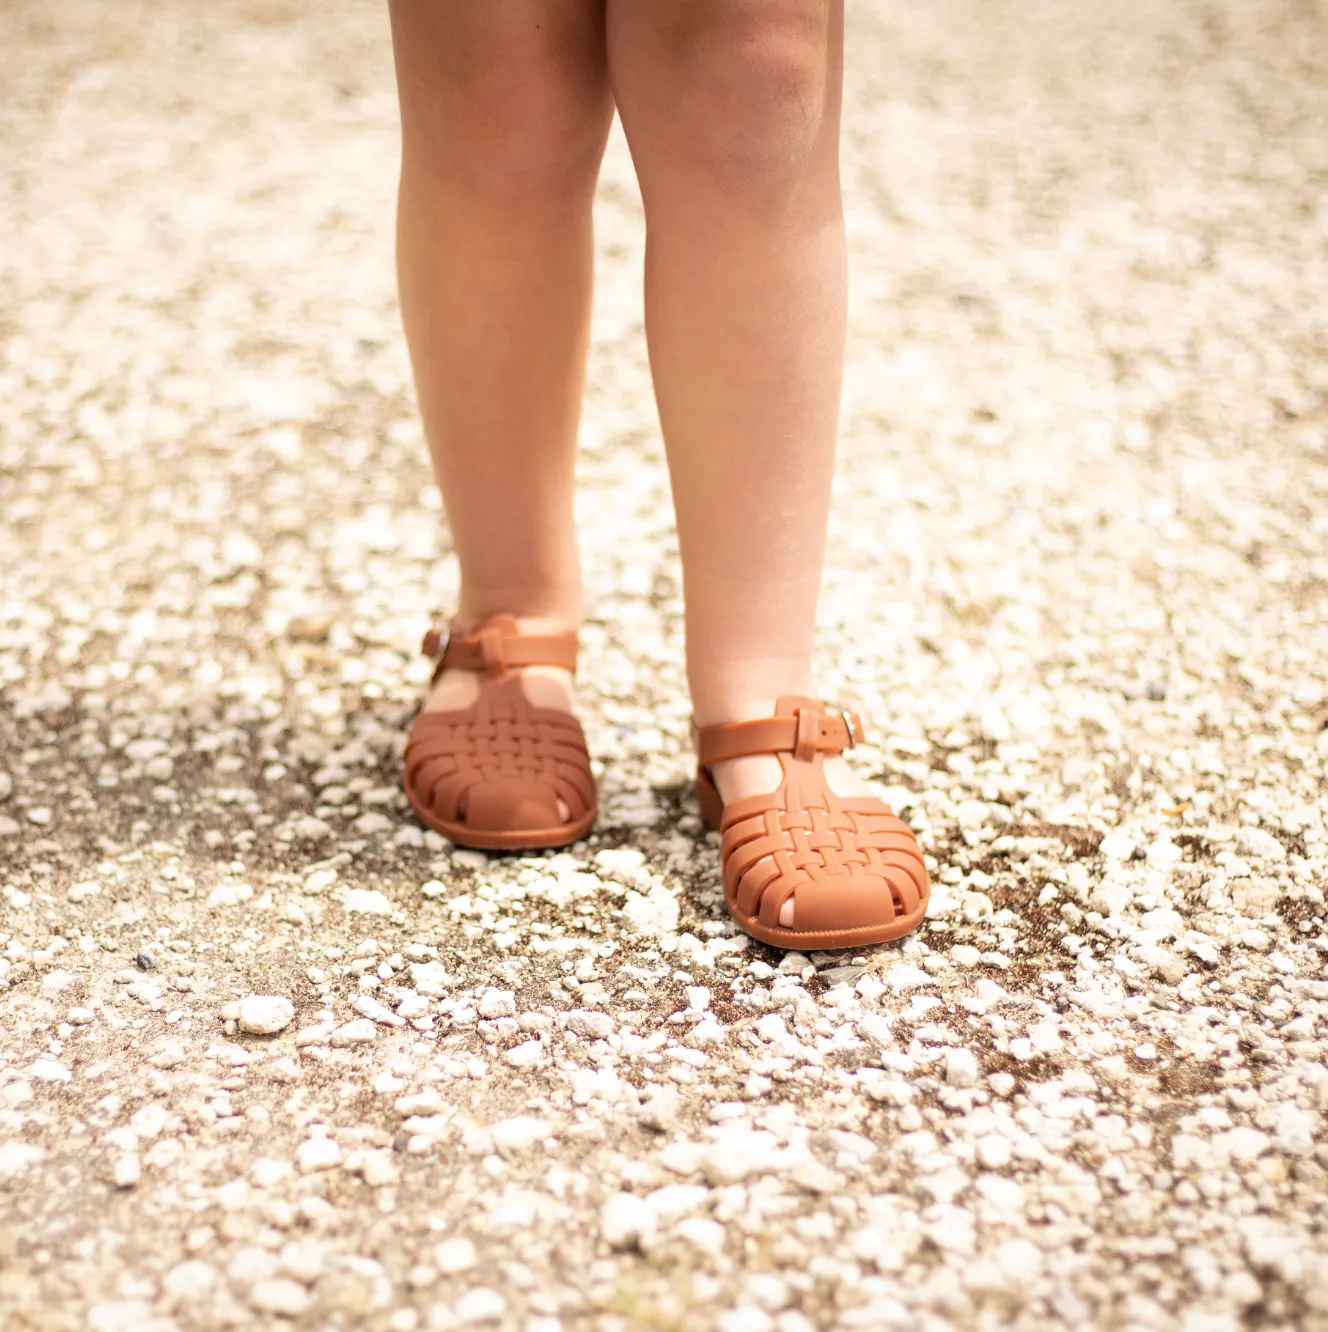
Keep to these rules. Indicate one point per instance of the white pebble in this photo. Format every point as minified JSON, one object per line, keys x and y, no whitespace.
{"x":480,"y":1305}
{"x":455,"y":1255}
{"x":520,"y":1133}
{"x":497,"y":1003}
{"x":280,"y":1296}
{"x":190,"y":1280}
{"x":627,"y":1222}
{"x":961,"y":1067}
{"x":994,"y":1151}
{"x":318,"y":1154}
{"x":127,"y":1171}
{"x":358,"y":1032}
{"x":526,"y":1054}
{"x":265,"y":1014}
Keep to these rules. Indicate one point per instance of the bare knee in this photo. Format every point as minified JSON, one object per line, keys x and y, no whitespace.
{"x":517,"y":121}
{"x":753,"y":89}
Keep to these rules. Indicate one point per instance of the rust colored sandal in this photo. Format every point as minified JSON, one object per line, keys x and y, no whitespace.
{"x":855,"y":866}
{"x":510,"y":760}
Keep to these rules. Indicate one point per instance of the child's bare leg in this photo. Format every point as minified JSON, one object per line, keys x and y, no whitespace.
{"x":731,"y":108}
{"x":505,"y":109}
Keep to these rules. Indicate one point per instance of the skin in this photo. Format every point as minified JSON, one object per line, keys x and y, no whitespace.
{"x":731,"y":111}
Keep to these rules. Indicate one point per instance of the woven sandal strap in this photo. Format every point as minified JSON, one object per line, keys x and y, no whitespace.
{"x":805,"y":735}
{"x":494,"y":651}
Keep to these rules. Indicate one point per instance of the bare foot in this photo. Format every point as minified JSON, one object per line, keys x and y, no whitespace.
{"x":544,"y":686}
{"x":760,"y":774}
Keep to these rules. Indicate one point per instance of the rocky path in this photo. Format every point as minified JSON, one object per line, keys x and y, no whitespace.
{"x":270,"y":1056}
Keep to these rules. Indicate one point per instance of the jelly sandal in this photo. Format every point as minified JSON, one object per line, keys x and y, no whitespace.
{"x":852,"y":866}
{"x":507,"y":759}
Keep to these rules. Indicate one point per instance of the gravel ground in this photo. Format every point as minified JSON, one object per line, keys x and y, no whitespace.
{"x":272,"y":1056}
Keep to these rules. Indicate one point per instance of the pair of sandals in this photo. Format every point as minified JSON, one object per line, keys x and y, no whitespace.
{"x":492,"y":775}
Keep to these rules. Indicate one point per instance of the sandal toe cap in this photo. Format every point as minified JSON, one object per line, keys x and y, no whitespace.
{"x":850,"y":900}
{"x":511,"y":804}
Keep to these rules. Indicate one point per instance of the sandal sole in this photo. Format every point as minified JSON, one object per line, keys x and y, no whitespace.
{"x":828,"y":940}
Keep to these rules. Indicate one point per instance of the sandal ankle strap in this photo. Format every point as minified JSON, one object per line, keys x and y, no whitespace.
{"x":496,"y":645}
{"x":808,"y":732}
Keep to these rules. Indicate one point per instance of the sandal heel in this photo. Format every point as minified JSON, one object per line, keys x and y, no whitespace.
{"x":712,"y":807}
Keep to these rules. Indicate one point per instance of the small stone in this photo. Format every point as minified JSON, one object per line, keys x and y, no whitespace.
{"x":1260,"y":844}
{"x":659,"y":1111}
{"x":480,"y":1305}
{"x":627,"y":1222}
{"x":190,"y":1280}
{"x":146,"y":961}
{"x":303,"y":1260}
{"x":455,"y":1255}
{"x":267,"y":1172}
{"x":1163,"y":963}
{"x":794,"y":964}
{"x":497,"y":1003}
{"x":80,"y":1017}
{"x":904,"y":977}
{"x":49,"y":1070}
{"x":379,"y":1169}
{"x":706,"y":1034}
{"x":698,"y":998}
{"x":376,"y":1012}
{"x":994,"y":1152}
{"x":429,"y":978}
{"x":123,"y":1316}
{"x":961,"y":1067}
{"x":525,"y":1055}
{"x":233,"y":1196}
{"x":309,"y":628}
{"x":520,"y":1133}
{"x":127,"y":1171}
{"x":318,"y":1154}
{"x":366,"y":901}
{"x":358,"y":1032}
{"x":1293,"y":1131}
{"x":587,"y":1022}
{"x":746,"y":1318}
{"x":16,"y":1157}
{"x":265,"y":1014}
{"x":280,"y":1296}
{"x":705,"y":1234}
{"x":1244,"y":1144}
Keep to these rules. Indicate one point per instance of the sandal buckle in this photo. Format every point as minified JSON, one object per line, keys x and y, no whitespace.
{"x":853,"y":725}
{"x":435,"y":643}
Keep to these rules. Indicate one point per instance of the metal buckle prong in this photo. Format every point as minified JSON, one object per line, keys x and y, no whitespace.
{"x":435,"y":643}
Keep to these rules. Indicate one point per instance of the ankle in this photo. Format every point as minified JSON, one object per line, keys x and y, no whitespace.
{"x":746,"y":690}
{"x":465,"y":621}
